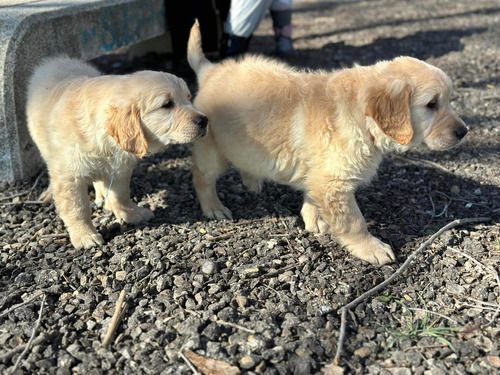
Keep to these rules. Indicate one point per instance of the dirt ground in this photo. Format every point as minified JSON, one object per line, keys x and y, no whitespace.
{"x":258,"y":294}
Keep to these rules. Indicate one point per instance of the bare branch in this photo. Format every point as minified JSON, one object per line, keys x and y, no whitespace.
{"x":399,"y":271}
{"x":28,"y":345}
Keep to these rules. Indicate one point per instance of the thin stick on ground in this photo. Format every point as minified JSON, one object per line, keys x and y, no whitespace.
{"x":421,"y":162}
{"x":223,"y":322}
{"x":494,"y":305}
{"x":399,"y":271}
{"x":23,"y":192}
{"x":23,"y":202}
{"x":40,"y":339}
{"x":31,"y":239}
{"x":120,"y":310}
{"x":188,"y":362}
{"x":12,"y":308}
{"x":491,"y":269}
{"x":478,"y":307}
{"x":28,"y":345}
{"x":435,"y":313}
{"x":224,"y":236}
{"x":234,"y":325}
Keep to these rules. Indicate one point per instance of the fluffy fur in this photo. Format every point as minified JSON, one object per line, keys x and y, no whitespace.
{"x":89,"y":127}
{"x":323,"y":133}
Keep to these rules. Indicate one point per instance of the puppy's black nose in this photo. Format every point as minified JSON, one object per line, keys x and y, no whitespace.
{"x":201,"y":121}
{"x":461,"y":132}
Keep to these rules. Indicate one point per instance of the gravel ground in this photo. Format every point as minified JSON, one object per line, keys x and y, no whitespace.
{"x":258,"y":294}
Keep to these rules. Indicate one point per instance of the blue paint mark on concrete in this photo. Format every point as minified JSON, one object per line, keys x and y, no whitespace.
{"x":87,"y":37}
{"x":123,"y":26}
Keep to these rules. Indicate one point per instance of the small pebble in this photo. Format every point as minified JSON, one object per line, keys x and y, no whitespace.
{"x":363,"y":352}
{"x":242,"y":301}
{"x":247,"y":362}
{"x":303,"y":259}
{"x":214,"y":288}
{"x":198,"y":297}
{"x":249,"y":272}
{"x":208,"y":267}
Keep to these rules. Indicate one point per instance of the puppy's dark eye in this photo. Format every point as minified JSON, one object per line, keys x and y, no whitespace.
{"x":433,"y":104}
{"x":169,"y":104}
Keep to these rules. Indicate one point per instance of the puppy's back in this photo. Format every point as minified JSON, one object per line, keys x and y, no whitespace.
{"x":45,"y":89}
{"x":52,"y":71}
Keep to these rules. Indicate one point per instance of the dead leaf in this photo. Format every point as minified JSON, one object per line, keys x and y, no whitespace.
{"x":211,"y":366}
{"x":469,"y":331}
{"x":332,"y":370}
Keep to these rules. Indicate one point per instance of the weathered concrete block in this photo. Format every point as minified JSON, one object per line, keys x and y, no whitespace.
{"x":31,"y":30}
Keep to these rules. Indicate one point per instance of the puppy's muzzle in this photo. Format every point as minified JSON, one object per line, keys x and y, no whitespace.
{"x":202,"y":122}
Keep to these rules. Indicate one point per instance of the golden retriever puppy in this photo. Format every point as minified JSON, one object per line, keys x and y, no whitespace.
{"x":93,"y":128}
{"x":323,"y":133}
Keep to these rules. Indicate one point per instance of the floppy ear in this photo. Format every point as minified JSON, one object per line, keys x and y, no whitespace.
{"x":388,"y":103}
{"x":124,"y":125}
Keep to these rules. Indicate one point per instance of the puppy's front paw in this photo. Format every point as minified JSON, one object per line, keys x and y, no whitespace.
{"x":372,"y":250}
{"x":85,"y":239}
{"x":219,"y":212}
{"x":133,"y":214}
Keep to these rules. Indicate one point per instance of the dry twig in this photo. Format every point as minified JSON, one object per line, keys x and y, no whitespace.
{"x":495,"y":305}
{"x":11,"y":353}
{"x":478,"y":307}
{"x":25,"y":245}
{"x":224,"y":236}
{"x":24,"y":192}
{"x":234,"y":325}
{"x":37,"y":294}
{"x":492,"y":209}
{"x":188,"y":362}
{"x":420,"y":162}
{"x":222,"y":322}
{"x":491,"y":269}
{"x":120,"y":311}
{"x":399,"y":271}
{"x":434,"y":313}
{"x":28,"y":345}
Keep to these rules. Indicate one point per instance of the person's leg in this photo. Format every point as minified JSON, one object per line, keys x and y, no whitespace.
{"x":243,"y":19}
{"x":281,"y":13}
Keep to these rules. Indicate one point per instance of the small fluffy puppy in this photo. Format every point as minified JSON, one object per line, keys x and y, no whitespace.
{"x":93,"y":128}
{"x":323,"y":133}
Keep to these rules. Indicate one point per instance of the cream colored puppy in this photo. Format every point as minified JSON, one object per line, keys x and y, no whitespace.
{"x":323,"y":133}
{"x":93,"y":128}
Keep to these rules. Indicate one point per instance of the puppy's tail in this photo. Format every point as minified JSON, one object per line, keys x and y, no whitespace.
{"x":195,"y":55}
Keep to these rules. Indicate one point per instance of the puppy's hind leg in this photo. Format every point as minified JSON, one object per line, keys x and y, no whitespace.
{"x":252,"y":183}
{"x":312,"y":219}
{"x":72,"y":202}
{"x":208,"y":164}
{"x":100,"y":192}
{"x":118,"y":200}
{"x":47,"y":195}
